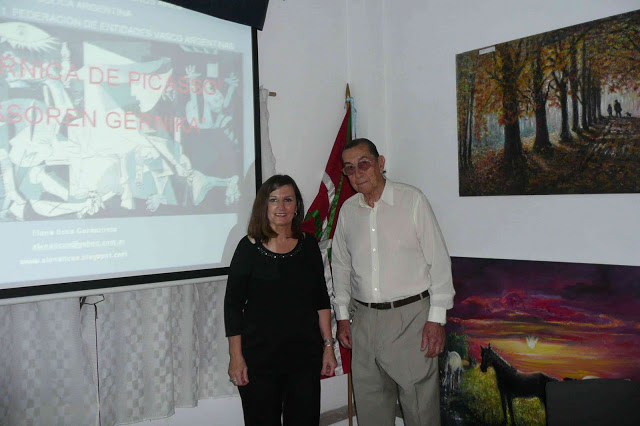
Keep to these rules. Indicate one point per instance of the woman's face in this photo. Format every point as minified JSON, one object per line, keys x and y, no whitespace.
{"x":281,"y":207}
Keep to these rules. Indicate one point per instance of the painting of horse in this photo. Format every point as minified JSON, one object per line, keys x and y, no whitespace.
{"x":511,"y":382}
{"x":539,"y":317}
{"x":452,"y":371}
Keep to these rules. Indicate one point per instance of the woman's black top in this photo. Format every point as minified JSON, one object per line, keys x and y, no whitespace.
{"x":272,"y":301}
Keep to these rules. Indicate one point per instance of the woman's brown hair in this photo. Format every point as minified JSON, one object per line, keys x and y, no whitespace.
{"x":259,"y":227}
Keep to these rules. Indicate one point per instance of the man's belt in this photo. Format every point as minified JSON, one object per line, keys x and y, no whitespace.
{"x":396,"y":303}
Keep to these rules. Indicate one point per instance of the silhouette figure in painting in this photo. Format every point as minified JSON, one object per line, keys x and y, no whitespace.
{"x":618,"y":108}
{"x":610,"y":110}
{"x":512,"y":383}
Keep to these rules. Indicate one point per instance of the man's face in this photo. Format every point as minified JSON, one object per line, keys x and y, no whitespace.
{"x":369,"y":181}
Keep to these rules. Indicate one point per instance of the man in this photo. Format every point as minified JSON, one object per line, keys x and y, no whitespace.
{"x":617,"y":108}
{"x":391,"y":270}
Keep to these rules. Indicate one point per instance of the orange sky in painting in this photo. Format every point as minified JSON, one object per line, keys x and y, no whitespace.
{"x":556,"y":357}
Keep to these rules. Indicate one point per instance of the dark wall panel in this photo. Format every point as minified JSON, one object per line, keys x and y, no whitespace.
{"x":247,"y":12}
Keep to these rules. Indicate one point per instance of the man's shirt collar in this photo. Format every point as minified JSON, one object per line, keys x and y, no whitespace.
{"x":387,"y":195}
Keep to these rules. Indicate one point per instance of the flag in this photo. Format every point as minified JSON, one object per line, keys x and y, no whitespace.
{"x":322,"y":215}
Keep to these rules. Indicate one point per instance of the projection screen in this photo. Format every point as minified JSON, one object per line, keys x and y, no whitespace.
{"x":127,"y":143}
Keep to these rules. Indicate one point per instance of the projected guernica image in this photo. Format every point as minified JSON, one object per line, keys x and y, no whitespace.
{"x":129,"y":141}
{"x":74,"y":142}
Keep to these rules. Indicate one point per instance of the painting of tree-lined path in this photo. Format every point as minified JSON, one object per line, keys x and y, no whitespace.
{"x":554,"y":113}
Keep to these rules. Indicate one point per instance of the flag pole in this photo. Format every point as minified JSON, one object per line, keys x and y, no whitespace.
{"x":350,"y":396}
{"x":322,"y":216}
{"x":349,"y":382}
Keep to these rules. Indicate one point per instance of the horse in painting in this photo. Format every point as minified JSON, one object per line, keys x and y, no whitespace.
{"x":512,"y":383}
{"x":452,"y":371}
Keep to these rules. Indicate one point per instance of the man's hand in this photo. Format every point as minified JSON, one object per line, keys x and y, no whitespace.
{"x":432,"y":339}
{"x":344,"y":333}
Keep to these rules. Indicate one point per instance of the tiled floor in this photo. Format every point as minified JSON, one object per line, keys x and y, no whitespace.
{"x":340,"y":417}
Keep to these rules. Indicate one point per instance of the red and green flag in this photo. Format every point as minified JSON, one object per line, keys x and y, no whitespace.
{"x":322,"y":215}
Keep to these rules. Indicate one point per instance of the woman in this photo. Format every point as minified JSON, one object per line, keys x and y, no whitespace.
{"x":276,"y":312}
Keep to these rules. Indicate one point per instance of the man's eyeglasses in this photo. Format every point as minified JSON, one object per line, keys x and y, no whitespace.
{"x":363,"y":165}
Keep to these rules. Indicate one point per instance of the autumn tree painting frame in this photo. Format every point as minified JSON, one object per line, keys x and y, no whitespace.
{"x":554,"y":113}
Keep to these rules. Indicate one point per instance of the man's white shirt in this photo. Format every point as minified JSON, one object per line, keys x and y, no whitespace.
{"x":390,"y":251}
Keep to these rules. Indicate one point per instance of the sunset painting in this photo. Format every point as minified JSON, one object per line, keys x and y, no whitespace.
{"x":547,"y":320}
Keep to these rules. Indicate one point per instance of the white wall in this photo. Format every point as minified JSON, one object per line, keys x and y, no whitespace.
{"x":423,"y":39}
{"x":366,"y":69}
{"x":308,"y":51}
{"x":303,"y":58}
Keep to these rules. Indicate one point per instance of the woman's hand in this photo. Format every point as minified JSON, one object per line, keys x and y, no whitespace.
{"x":329,"y":362}
{"x":238,"y":372}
